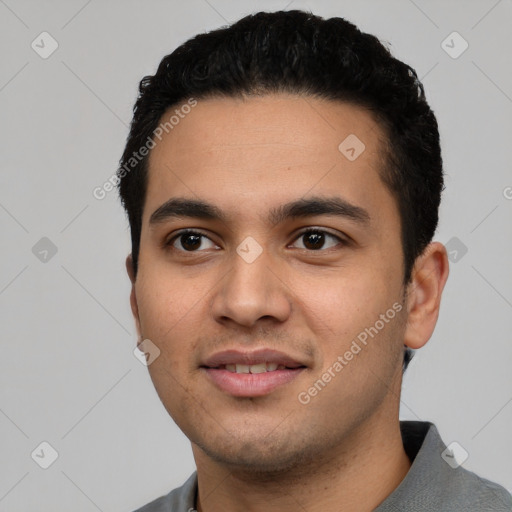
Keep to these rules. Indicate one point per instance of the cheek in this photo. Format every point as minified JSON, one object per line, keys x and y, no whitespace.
{"x":349,"y":312}
{"x":171,"y":312}
{"x":343,"y":303}
{"x":170,"y":319}
{"x":360,"y":361}
{"x":164,"y":301}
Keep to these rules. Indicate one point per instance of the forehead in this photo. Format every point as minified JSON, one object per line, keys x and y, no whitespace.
{"x":301,"y":121}
{"x":265,"y":150}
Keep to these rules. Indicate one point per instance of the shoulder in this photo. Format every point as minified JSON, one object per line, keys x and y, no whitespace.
{"x":435,"y":483}
{"x":159,"y":505}
{"x":181,"y":499}
{"x":479,"y":494}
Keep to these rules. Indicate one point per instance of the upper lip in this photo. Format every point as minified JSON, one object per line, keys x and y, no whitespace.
{"x":263,"y":355}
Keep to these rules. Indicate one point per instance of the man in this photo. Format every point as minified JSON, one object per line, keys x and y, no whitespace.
{"x":282,"y":179}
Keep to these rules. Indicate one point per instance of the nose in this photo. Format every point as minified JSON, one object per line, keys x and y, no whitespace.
{"x":251,"y":292}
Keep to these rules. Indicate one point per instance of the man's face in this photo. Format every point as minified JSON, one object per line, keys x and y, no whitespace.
{"x":308,"y":297}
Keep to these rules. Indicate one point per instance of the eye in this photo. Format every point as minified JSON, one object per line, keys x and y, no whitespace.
{"x":193,"y":241}
{"x":314,"y":239}
{"x":189,"y":240}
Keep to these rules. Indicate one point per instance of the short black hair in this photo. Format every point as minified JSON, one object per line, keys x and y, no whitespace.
{"x":298,"y":52}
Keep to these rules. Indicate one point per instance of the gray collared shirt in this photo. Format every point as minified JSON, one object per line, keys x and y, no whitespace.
{"x":431,"y":485}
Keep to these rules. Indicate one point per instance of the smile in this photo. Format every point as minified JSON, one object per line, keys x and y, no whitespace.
{"x":253,"y":368}
{"x":255,"y":380}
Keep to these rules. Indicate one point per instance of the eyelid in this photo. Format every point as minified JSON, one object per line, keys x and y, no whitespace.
{"x":343,"y":239}
{"x":168,"y":242}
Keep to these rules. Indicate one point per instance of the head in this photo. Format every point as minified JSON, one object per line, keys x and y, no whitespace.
{"x":252,"y":127}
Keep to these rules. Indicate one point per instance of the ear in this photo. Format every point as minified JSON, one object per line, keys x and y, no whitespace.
{"x":424,"y":292}
{"x":133,"y":297}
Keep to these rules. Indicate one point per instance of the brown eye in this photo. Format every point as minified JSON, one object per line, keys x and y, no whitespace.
{"x":315,"y":239}
{"x":190,"y":241}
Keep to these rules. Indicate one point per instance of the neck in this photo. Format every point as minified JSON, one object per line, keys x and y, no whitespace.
{"x":356,"y":476}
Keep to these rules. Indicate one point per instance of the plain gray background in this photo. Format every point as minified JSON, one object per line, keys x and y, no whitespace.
{"x":68,"y":375}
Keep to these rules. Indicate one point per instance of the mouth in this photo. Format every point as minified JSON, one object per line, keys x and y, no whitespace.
{"x":243,"y":374}
{"x":254,"y":368}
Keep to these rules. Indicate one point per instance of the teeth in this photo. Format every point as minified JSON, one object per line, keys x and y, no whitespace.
{"x":258,"y":368}
{"x":254,"y":368}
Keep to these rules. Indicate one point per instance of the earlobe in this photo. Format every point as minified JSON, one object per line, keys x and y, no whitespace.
{"x":424,"y":292}
{"x":133,"y":297}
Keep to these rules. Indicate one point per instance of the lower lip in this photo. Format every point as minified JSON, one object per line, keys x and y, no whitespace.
{"x":251,"y":384}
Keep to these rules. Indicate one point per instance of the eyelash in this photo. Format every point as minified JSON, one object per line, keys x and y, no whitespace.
{"x":168,"y":244}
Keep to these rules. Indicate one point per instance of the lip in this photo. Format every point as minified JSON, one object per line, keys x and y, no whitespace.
{"x":249,"y":384}
{"x":262,"y":355}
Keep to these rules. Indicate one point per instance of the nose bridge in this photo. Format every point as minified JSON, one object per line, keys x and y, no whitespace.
{"x":250,"y":290}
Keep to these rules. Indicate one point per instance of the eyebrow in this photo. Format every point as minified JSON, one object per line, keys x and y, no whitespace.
{"x":191,"y":208}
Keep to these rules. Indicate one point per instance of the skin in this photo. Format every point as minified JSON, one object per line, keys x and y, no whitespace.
{"x":342,"y":450}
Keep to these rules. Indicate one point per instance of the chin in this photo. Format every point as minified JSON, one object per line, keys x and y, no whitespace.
{"x":268,"y":464}
{"x":260,"y":455}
